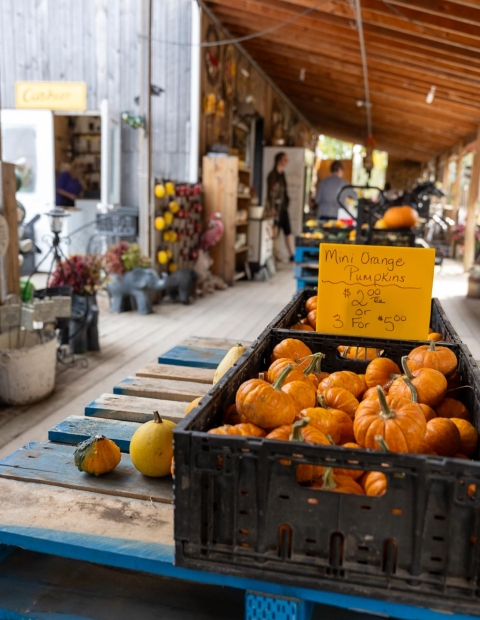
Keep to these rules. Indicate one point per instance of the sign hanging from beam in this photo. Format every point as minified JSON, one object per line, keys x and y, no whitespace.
{"x":51,"y":96}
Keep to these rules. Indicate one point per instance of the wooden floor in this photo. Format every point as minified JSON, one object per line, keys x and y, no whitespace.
{"x":129,"y":341}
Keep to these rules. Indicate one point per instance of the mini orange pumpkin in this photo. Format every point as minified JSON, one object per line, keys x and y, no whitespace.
{"x":292,"y":349}
{"x":302,"y":393}
{"x":337,"y":398}
{"x":299,"y":372}
{"x":374,"y":483}
{"x":323,"y":420}
{"x":344,"y":379}
{"x":338,"y":484}
{"x":226,"y":429}
{"x":358,"y":353}
{"x":311,"y":303}
{"x":443,"y":436}
{"x":265,"y":405}
{"x":435,"y":336}
{"x":442,"y":359}
{"x":468,"y":436}
{"x":380,"y":371}
{"x":353,"y":473}
{"x":302,"y":327}
{"x":346,"y":426}
{"x":231,"y":416}
{"x":426,"y":449}
{"x":429,"y":385}
{"x":401,"y":423}
{"x":312,"y":318}
{"x":250,"y":430}
{"x":451,"y":408}
{"x":428,"y":412}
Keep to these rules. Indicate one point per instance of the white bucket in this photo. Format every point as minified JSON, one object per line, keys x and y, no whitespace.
{"x":27,"y":367}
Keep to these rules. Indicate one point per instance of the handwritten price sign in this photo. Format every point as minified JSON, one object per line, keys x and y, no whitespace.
{"x":382,"y":292}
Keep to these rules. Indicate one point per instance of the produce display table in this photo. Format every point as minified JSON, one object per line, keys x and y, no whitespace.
{"x":124,"y":519}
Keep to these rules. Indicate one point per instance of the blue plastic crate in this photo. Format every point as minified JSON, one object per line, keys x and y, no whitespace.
{"x":261,"y":607}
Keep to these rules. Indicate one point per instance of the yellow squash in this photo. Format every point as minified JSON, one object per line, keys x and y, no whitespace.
{"x":228,"y":361}
{"x":151,"y":447}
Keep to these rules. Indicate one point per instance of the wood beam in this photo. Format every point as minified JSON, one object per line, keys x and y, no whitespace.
{"x":8,"y":203}
{"x":472,"y":201}
{"x":458,"y":178}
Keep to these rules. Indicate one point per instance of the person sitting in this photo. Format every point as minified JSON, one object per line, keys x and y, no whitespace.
{"x":69,"y":186}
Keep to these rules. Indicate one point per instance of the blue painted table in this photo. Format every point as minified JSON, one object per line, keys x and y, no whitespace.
{"x":125,"y":520}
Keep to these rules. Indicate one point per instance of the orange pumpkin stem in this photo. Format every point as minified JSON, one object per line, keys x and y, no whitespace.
{"x":296,"y":434}
{"x":386,"y":413}
{"x":329,"y":479}
{"x":382,"y":443}
{"x":156,"y":418}
{"x":315,"y":365}
{"x":412,"y":388}
{"x":281,"y":379}
{"x":406,"y":369}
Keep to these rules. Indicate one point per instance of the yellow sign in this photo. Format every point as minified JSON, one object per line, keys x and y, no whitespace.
{"x":51,"y":95}
{"x":375,"y":291}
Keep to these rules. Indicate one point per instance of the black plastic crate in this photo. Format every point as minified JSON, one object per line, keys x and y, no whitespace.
{"x":240,"y":511}
{"x":296,"y":309}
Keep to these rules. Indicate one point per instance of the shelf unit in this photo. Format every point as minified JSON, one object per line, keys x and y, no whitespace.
{"x":221,"y":176}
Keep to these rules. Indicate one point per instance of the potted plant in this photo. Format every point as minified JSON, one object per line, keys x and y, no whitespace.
{"x":129,"y":276}
{"x":84,"y":275}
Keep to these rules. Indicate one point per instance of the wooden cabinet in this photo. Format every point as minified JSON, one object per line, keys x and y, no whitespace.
{"x":220,"y":182}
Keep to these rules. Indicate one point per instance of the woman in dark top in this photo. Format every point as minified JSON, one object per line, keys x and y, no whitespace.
{"x":69,"y":187}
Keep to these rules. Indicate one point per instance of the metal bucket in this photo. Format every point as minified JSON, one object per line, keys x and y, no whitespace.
{"x":27,"y":367}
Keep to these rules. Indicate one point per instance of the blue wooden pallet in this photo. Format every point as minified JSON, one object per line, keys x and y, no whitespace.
{"x":306,"y":283}
{"x":306,"y":255}
{"x":193,"y":356}
{"x":51,"y":464}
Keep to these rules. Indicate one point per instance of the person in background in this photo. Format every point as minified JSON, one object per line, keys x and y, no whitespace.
{"x":327,"y":192}
{"x":278,"y":200}
{"x":69,"y":186}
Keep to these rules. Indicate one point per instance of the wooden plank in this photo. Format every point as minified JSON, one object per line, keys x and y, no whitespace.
{"x":178,"y":373}
{"x":472,"y":200}
{"x":76,"y":428}
{"x":134,"y":408}
{"x":9,"y":203}
{"x":212,"y":343}
{"x":193,"y":356}
{"x":161,"y":389}
{"x":53,"y":464}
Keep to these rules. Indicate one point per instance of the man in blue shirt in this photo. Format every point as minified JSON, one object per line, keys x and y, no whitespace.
{"x":328,"y":190}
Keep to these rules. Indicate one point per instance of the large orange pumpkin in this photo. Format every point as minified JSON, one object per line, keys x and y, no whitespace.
{"x":442,"y":359}
{"x":468,"y":436}
{"x":265,"y":405}
{"x":292,"y":349}
{"x":443,"y":436}
{"x":425,"y":385}
{"x":401,"y":423}
{"x":380,"y":371}
{"x":337,"y":398}
{"x":400,"y":217}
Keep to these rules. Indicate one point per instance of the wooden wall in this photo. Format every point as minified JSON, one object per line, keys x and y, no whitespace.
{"x":232,"y":82}
{"x":96,"y":41}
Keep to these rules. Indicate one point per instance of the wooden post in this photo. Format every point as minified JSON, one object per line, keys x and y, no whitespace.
{"x":8,"y":208}
{"x":457,"y":193}
{"x":473,"y":193}
{"x":145,"y":190}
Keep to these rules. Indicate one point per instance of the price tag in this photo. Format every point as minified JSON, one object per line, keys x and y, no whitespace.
{"x":375,"y":291}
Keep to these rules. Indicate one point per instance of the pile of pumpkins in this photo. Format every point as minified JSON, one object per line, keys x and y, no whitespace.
{"x":412,"y":409}
{"x":309,"y":323}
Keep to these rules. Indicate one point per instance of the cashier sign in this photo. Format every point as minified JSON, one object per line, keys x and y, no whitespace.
{"x":375,"y":291}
